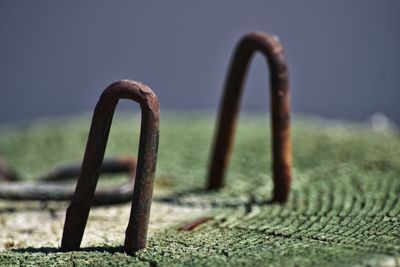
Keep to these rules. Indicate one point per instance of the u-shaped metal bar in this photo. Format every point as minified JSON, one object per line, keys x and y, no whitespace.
{"x":280,"y":103}
{"x":78,"y":211}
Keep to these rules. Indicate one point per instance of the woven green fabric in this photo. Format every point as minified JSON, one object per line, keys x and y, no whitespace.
{"x":343,"y":210}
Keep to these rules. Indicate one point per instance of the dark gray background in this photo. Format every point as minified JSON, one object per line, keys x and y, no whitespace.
{"x":57,"y":56}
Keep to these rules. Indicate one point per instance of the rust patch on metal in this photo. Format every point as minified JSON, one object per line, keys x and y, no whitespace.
{"x":280,"y":104}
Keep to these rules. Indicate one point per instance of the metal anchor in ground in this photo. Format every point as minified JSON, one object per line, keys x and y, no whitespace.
{"x":45,"y":188}
{"x":78,"y":211}
{"x":280,"y":103}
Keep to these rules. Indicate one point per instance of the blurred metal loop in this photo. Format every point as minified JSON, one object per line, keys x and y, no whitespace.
{"x":280,"y":102}
{"x":45,"y":188}
{"x":78,"y":211}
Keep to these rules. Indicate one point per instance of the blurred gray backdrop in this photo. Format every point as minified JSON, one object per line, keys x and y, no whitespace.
{"x":57,"y":56}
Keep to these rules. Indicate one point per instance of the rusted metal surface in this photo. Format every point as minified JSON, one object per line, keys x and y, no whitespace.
{"x":78,"y":211}
{"x":280,"y":103}
{"x":190,"y":226}
{"x":44,"y":188}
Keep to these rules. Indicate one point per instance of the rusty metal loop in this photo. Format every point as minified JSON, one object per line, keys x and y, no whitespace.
{"x":78,"y":211}
{"x":280,"y":104}
{"x":46,"y":188}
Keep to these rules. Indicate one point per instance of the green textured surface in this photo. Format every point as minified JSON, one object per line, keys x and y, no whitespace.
{"x":344,"y":206}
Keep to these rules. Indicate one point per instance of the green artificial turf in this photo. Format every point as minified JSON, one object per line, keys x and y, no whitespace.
{"x":343,"y":210}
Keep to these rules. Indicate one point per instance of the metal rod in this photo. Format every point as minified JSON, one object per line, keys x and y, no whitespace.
{"x":109,"y":165}
{"x":280,"y":103}
{"x":78,"y":211}
{"x":190,"y":226}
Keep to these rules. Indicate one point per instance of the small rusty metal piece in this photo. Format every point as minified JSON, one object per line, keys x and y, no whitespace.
{"x":78,"y":211}
{"x":190,"y":226}
{"x":38,"y":190}
{"x":7,"y":173}
{"x":280,"y":102}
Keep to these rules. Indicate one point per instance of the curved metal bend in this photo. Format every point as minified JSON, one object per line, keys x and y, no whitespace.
{"x":280,"y":102}
{"x":78,"y":211}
